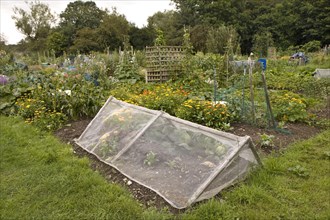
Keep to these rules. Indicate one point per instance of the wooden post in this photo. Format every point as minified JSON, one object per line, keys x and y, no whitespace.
{"x":269,"y":108}
{"x":251,"y":91}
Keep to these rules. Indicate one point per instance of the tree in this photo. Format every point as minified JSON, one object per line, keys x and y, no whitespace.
{"x":300,"y":22}
{"x":169,"y":23}
{"x":78,"y":15}
{"x":261,"y":42}
{"x":113,"y":30}
{"x":222,"y":39}
{"x":34,"y":23}
{"x":198,"y":35}
{"x":85,"y":41}
{"x":140,"y":38}
{"x":56,"y":42}
{"x":3,"y":41}
{"x":81,"y":14}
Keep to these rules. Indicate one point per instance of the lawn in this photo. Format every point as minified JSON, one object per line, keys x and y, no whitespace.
{"x":42,"y":179}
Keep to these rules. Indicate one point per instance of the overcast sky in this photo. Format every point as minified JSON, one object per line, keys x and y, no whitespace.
{"x":136,"y":11}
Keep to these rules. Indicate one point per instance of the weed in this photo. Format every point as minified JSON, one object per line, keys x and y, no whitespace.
{"x":299,"y":171}
{"x":267,"y":140}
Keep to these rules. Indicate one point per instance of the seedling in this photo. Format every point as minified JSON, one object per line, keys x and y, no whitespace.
{"x":150,"y":158}
{"x":267,"y":140}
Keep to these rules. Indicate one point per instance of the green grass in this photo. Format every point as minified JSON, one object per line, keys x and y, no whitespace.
{"x":40,"y":178}
{"x":295,"y":185}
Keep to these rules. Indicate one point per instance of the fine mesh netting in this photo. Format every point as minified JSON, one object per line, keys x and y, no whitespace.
{"x":181,"y":161}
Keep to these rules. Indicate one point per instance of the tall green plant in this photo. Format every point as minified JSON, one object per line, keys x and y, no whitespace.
{"x":261,"y":42}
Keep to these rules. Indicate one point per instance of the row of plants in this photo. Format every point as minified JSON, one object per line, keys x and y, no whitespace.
{"x":69,"y":95}
{"x":175,"y":100}
{"x":49,"y":100}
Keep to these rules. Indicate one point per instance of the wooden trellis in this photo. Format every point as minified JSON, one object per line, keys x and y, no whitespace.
{"x":162,"y":62}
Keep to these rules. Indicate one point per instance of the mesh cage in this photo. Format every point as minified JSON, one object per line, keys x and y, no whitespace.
{"x":181,"y":161}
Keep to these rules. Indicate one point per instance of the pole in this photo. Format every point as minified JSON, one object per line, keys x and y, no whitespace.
{"x":243,"y":98}
{"x":267,"y":101}
{"x":251,"y":92}
{"x":214,"y":84}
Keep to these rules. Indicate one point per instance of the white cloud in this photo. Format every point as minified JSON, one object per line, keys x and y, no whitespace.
{"x":136,"y":12}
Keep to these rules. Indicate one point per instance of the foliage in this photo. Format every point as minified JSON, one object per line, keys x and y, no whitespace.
{"x":64,"y":95}
{"x":201,"y":67}
{"x":112,"y":31}
{"x":127,"y":70}
{"x":222,"y":40}
{"x":70,"y":95}
{"x":232,"y":98}
{"x":285,"y":20}
{"x":288,"y":80}
{"x":78,"y":15}
{"x":34,"y":23}
{"x":289,"y":107}
{"x":81,"y":14}
{"x":187,"y":42}
{"x":35,"y":112}
{"x":160,"y":40}
{"x":312,"y":46}
{"x":56,"y":42}
{"x":158,"y":97}
{"x":150,"y":158}
{"x":141,"y":37}
{"x":169,"y":24}
{"x":299,"y":171}
{"x":206,"y":113}
{"x":31,"y":23}
{"x":267,"y":140}
{"x":198,"y":39}
{"x":84,"y":41}
{"x":3,"y":42}
{"x":163,"y":97}
{"x":261,"y":43}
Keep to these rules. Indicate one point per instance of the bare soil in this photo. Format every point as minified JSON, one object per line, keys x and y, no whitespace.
{"x":283,"y":137}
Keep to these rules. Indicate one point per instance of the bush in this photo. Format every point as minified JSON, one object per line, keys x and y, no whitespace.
{"x":162,"y":97}
{"x":289,"y":107}
{"x":158,"y":97}
{"x":205,"y":113}
{"x":312,"y":46}
{"x":35,"y":112}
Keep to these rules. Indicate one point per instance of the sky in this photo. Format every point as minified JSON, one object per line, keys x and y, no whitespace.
{"x":136,"y":12}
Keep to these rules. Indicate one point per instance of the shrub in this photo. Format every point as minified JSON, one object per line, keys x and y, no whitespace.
{"x":289,"y":107}
{"x":205,"y":113}
{"x":312,"y":46}
{"x":35,"y":112}
{"x":162,"y":97}
{"x":158,"y":97}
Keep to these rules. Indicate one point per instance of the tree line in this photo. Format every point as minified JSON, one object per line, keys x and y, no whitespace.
{"x":219,"y":26}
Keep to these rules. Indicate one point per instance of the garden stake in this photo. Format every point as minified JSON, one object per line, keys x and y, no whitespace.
{"x":243,"y":105}
{"x":269,"y":109}
{"x":214,"y":84}
{"x":251,"y":92}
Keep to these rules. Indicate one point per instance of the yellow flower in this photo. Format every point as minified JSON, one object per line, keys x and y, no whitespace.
{"x":28,"y":106}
